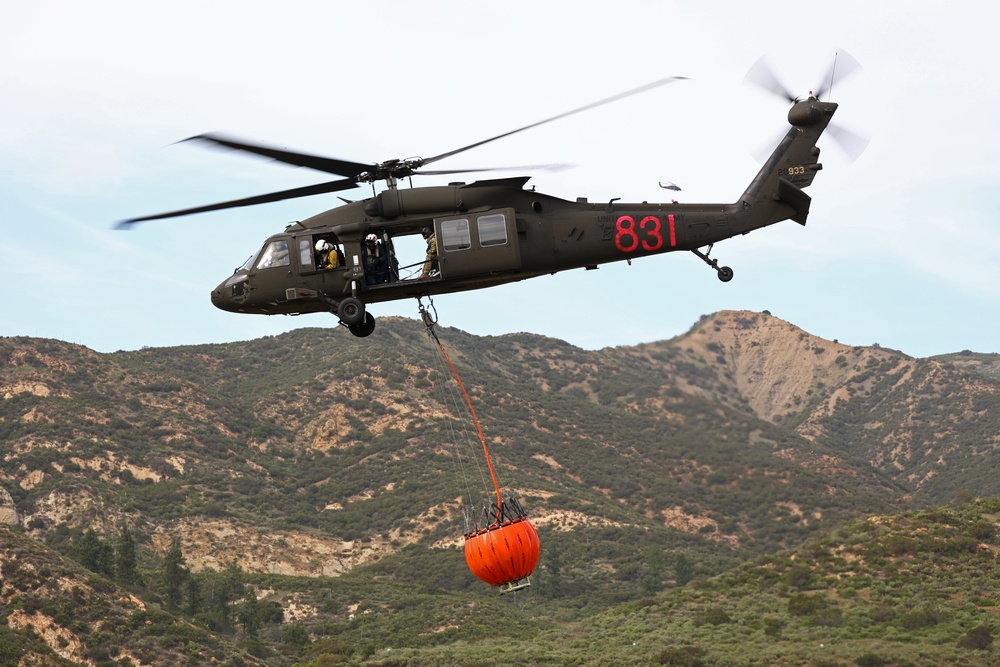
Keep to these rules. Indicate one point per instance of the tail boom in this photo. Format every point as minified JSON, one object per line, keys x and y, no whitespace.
{"x":776,"y":193}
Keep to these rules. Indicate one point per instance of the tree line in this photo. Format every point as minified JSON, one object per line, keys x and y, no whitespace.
{"x":223,"y":601}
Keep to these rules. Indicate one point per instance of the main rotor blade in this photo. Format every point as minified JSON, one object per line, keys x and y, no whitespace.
{"x":843,"y":66}
{"x":607,"y":100}
{"x":533,"y":167}
{"x":318,"y":189}
{"x":762,"y":76}
{"x":317,"y":162}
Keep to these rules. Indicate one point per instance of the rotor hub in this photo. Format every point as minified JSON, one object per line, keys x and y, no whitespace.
{"x":390,"y":169}
{"x":810,"y":112}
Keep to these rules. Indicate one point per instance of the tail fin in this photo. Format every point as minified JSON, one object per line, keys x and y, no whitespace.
{"x":775,"y":194}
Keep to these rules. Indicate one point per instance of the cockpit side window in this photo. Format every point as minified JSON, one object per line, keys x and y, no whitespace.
{"x":275,"y":254}
{"x":306,"y":254}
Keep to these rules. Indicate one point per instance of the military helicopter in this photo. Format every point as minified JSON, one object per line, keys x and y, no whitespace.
{"x":489,"y":232}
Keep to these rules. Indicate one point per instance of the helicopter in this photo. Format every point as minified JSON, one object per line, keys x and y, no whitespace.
{"x":488,"y":232}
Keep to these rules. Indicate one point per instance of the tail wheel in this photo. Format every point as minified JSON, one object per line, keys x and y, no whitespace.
{"x":351,"y":311}
{"x":725,"y":274}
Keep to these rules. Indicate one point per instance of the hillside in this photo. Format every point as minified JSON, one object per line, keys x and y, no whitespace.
{"x":985,"y":364}
{"x":915,"y":588}
{"x":931,"y":425}
{"x":315,"y":455}
{"x":345,"y":447}
{"x":56,"y":612}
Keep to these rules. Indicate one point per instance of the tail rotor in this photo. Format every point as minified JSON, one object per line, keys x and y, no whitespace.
{"x":762,"y":75}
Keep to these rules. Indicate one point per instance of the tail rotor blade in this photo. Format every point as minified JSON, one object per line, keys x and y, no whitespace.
{"x":765,"y":149}
{"x":852,"y":143}
{"x":762,"y":76}
{"x":844,"y":65}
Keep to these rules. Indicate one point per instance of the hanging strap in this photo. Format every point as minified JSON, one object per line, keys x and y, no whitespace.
{"x":429,"y":322}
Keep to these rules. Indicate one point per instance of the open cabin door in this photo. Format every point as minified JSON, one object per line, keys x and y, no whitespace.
{"x":472,"y":244}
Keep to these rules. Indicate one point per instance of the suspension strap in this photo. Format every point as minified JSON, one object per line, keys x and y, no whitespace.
{"x":429,"y":322}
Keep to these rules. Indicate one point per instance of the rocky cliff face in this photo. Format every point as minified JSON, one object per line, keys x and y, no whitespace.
{"x":922,"y":421}
{"x":771,"y":365}
{"x":8,"y":512}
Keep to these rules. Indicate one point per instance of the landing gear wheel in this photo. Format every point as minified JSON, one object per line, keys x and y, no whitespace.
{"x":351,"y":311}
{"x":724,"y":272}
{"x":365,"y":328}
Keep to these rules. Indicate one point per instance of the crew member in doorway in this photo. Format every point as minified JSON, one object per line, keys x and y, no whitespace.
{"x":431,"y":262}
{"x":376,"y":261}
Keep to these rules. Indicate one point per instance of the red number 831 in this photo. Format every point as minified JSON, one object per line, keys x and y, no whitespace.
{"x":647,"y":233}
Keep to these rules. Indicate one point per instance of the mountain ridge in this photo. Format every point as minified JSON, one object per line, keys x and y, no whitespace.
{"x":319,"y":456}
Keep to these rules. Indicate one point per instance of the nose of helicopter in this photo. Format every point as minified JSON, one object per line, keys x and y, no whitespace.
{"x":218,"y":300}
{"x":221,"y":298}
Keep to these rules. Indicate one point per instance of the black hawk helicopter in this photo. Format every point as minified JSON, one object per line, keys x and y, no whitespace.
{"x":489,"y":232}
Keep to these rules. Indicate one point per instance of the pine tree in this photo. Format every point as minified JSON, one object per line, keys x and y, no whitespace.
{"x":95,"y":554}
{"x":249,"y":614}
{"x":194,"y":597}
{"x":232,"y":588}
{"x":553,"y":571}
{"x":174,"y":574}
{"x":125,"y":558}
{"x":652,"y":580}
{"x":683,"y":570}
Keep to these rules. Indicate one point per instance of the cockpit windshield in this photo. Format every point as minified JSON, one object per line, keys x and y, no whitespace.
{"x":275,"y":254}
{"x":250,"y":262}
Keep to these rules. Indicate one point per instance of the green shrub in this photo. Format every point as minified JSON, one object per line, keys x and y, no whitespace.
{"x":683,"y":656}
{"x":979,"y":638}
{"x":806,"y":605}
{"x":713,"y":616}
{"x":870,"y":660}
{"x":923,"y":617}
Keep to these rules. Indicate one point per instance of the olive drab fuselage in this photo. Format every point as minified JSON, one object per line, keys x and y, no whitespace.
{"x":496,"y":231}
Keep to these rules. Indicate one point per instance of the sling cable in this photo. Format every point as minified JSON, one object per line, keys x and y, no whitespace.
{"x":504,"y":552}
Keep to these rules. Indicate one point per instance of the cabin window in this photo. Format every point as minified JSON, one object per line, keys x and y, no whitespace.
{"x":492,"y":230}
{"x":455,"y":235}
{"x":306,"y":254}
{"x":275,"y":254}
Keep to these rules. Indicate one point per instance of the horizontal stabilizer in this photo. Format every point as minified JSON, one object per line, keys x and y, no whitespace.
{"x":796,"y":198}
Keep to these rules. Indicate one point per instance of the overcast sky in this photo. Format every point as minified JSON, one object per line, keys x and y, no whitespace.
{"x":902,"y":247}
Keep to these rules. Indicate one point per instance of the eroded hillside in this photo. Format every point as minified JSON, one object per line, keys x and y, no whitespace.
{"x":313,"y":453}
{"x":930,"y":424}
